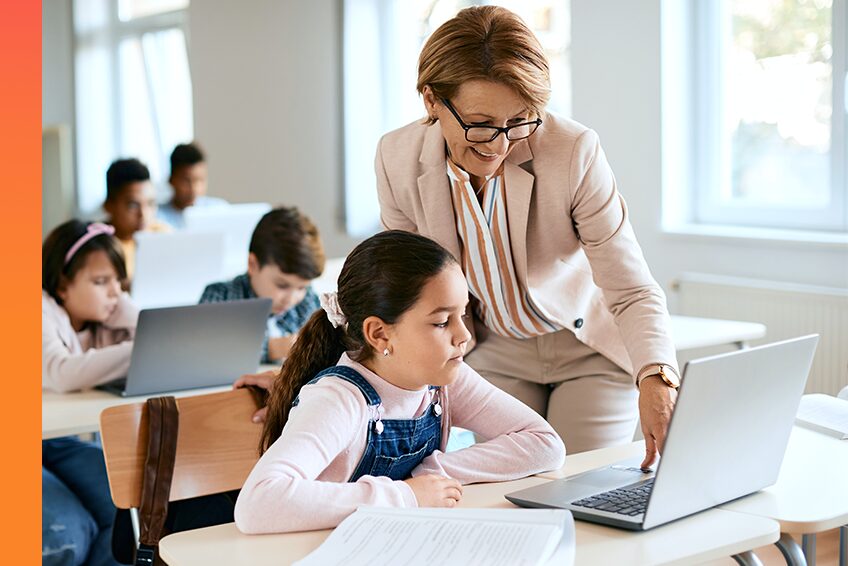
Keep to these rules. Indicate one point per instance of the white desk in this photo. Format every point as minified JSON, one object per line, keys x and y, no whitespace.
{"x":691,"y":332}
{"x":706,"y":536}
{"x":811,"y":493}
{"x":69,"y":414}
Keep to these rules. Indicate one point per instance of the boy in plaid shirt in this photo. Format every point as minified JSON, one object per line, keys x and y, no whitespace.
{"x":286,"y":254}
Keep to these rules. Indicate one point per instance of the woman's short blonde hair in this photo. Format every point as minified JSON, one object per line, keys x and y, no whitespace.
{"x":489,"y":43}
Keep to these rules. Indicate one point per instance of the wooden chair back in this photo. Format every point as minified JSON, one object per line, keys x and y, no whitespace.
{"x":217,"y":446}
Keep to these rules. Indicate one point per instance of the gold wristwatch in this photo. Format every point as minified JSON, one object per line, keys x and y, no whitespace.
{"x":666,"y":373}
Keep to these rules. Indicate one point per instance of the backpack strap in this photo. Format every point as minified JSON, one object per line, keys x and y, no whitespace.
{"x":163,"y":423}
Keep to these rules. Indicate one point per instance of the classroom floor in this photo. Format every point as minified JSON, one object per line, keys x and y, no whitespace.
{"x":827,"y":552}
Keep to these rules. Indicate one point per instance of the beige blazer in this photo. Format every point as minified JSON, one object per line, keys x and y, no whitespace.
{"x":574,"y":249}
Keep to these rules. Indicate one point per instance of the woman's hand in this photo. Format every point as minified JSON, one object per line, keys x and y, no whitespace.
{"x":262,"y":381}
{"x":435,"y":491}
{"x":656,"y":403}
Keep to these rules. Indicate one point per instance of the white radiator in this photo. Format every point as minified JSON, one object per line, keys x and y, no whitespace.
{"x":786,"y":309}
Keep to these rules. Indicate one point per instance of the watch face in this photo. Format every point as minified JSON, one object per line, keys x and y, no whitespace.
{"x":669,"y":377}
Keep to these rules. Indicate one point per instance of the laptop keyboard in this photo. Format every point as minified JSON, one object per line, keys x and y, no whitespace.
{"x":629,"y":500}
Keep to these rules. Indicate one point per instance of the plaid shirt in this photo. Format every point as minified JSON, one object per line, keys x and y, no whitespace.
{"x":288,"y":322}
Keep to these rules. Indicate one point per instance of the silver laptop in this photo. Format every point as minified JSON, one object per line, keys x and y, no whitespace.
{"x":196,"y":346}
{"x":726,"y":439}
{"x":173,"y":269}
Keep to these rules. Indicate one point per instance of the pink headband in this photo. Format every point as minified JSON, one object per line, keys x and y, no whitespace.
{"x":94,"y":229}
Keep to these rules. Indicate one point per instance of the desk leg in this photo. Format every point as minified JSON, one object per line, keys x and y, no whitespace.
{"x":136,"y":524}
{"x":791,"y":551}
{"x":843,"y":545}
{"x":808,"y":542}
{"x":747,"y":559}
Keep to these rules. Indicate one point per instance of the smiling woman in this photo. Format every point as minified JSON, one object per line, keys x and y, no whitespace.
{"x":566,"y":313}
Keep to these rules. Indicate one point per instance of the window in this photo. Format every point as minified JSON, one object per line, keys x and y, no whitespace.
{"x":382,"y":40}
{"x":133,"y":89}
{"x":769,"y":114}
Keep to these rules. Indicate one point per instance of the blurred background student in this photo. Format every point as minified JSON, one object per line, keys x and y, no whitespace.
{"x":286,"y":254}
{"x":130,"y":205}
{"x":188,"y":179}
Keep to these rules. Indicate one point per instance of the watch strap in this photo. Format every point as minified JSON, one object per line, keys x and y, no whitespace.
{"x":662,"y":370}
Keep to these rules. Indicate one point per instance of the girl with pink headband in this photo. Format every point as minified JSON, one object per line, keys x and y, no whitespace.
{"x":87,"y":326}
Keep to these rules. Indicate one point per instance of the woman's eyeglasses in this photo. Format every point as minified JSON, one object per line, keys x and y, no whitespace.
{"x":485,"y":134}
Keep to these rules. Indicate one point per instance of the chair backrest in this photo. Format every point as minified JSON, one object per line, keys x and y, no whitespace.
{"x":217,"y":446}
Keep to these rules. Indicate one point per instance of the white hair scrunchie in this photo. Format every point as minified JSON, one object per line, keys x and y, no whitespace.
{"x":330,"y":304}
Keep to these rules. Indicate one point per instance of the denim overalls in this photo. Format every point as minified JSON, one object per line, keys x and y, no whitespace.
{"x":393,"y":447}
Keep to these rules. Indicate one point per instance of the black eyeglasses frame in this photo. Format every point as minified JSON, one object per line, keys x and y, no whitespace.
{"x":496,"y":130}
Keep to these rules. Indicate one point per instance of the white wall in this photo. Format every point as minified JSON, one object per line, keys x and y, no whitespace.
{"x":57,"y":114}
{"x":267,"y":105}
{"x":617,"y":92}
{"x":57,"y":85}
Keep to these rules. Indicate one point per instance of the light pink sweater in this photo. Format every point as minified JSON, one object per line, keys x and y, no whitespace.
{"x":301,"y":482}
{"x":73,"y":360}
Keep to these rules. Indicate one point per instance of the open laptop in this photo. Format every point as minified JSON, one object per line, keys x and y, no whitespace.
{"x":235,"y":222}
{"x":172,"y":269}
{"x":726,"y":439}
{"x":196,"y":346}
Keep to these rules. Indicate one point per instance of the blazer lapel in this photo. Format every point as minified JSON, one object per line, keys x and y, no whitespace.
{"x":519,"y":191}
{"x":434,"y":191}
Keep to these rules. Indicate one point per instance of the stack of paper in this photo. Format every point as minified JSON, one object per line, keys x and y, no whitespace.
{"x":825,"y":414}
{"x":380,"y":536}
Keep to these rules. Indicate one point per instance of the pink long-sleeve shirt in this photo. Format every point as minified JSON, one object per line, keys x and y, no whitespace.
{"x":72,"y":360}
{"x":301,"y":482}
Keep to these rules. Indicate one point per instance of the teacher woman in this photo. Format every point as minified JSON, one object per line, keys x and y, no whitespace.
{"x":567,"y":316}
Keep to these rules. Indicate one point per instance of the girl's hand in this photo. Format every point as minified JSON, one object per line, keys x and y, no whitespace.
{"x":262,"y":380}
{"x":259,"y":381}
{"x":435,"y":491}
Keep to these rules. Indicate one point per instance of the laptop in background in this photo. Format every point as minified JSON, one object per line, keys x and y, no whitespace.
{"x":726,"y":439}
{"x":236,"y":222}
{"x":196,"y":346}
{"x":172,"y":269}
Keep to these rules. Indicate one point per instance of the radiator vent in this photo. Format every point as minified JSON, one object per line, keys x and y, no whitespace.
{"x":787,"y":310}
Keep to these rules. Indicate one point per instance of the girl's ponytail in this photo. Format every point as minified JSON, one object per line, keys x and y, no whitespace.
{"x":318,"y":346}
{"x":383,"y":277}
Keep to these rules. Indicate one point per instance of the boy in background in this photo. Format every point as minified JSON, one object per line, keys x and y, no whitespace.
{"x":188,"y":179}
{"x":286,"y":254}
{"x":130,"y":205}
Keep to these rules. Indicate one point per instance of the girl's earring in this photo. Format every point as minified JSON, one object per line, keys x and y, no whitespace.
{"x":386,"y":352}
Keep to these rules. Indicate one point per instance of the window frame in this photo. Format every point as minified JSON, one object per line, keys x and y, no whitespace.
{"x":711,"y":145}
{"x":111,"y":34}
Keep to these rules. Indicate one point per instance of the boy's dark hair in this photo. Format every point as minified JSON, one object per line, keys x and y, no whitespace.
{"x":122,"y":172}
{"x":383,"y":276}
{"x":288,"y":239}
{"x":53,"y":268}
{"x":186,"y":154}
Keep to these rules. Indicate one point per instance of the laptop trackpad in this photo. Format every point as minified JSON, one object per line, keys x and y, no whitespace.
{"x":614,"y":476}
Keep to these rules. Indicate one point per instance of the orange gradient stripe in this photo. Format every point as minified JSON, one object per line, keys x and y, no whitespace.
{"x":20,"y":245}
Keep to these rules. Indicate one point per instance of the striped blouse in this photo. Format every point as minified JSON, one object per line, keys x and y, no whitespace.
{"x":503,"y":305}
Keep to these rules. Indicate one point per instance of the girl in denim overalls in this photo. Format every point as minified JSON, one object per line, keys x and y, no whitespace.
{"x":361,"y":410}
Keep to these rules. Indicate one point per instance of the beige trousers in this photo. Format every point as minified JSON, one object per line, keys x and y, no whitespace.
{"x":587,"y":399}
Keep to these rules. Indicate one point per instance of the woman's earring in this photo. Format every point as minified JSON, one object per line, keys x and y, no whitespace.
{"x":386,"y":352}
